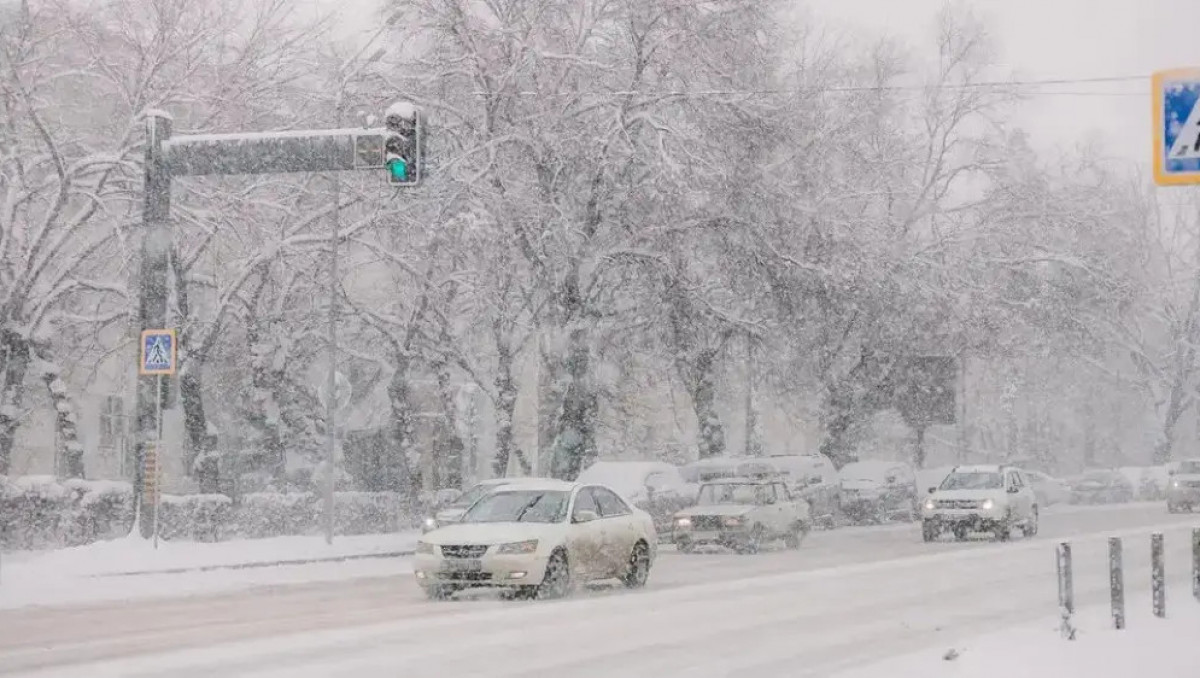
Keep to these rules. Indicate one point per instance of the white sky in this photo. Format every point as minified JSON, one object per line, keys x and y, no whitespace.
{"x":1035,"y":39}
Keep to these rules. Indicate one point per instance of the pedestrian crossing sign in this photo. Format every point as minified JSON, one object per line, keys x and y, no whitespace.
{"x":1177,"y":127}
{"x":159,"y":353}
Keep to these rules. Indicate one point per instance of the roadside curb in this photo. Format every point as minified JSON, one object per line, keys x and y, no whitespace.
{"x":260,"y":563}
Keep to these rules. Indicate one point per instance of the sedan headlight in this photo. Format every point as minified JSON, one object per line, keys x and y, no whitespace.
{"x":683,"y":522}
{"x":518,"y":547}
{"x":429,"y":525}
{"x":424,"y":547}
{"x":987,"y":505}
{"x":929,"y":505}
{"x":733,"y":521}
{"x":1175,"y":484}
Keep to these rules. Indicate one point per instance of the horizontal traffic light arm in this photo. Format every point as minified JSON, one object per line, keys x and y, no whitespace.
{"x":275,"y":152}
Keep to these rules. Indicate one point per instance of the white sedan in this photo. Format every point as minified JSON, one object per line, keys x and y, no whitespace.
{"x":538,"y":539}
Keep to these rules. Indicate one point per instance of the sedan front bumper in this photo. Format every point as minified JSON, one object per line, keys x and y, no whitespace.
{"x":489,"y":571}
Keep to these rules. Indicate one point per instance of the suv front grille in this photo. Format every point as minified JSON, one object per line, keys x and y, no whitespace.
{"x":464,"y":551}
{"x":706,"y":522}
{"x":957,"y":503}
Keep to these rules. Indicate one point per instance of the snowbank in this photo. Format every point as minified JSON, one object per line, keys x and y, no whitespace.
{"x":88,"y":573}
{"x":1163,"y":648}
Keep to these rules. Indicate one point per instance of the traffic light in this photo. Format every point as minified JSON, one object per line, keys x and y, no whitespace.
{"x":402,"y":148}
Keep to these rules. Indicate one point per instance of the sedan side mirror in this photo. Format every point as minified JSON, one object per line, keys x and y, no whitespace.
{"x":932,"y":490}
{"x":584,"y":516}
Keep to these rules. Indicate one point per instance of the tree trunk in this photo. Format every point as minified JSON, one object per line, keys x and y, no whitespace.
{"x":398,"y":463}
{"x":550,"y":395}
{"x":506,"y":406}
{"x":65,"y":421}
{"x":1185,"y":364}
{"x":702,"y":387}
{"x":575,"y":439}
{"x":15,"y":350}
{"x":455,"y":448}
{"x":201,"y":461}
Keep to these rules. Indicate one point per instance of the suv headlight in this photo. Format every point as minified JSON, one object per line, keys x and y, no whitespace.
{"x":987,"y":505}
{"x":732,"y":521}
{"x":424,"y":547}
{"x":930,"y":504}
{"x":683,"y":522}
{"x":518,"y":547}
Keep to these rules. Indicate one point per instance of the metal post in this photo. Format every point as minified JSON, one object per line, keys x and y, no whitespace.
{"x":152,"y":310}
{"x":1116,"y":582}
{"x":1158,"y":577}
{"x":1196,"y":563}
{"x":1066,"y":590}
{"x":158,"y":446}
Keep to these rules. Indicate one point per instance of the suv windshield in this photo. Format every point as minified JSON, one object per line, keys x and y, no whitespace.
{"x":972,"y":481}
{"x":1190,"y":468}
{"x":733,"y":493}
{"x":519,"y":506}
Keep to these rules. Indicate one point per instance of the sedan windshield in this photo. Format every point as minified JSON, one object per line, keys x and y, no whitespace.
{"x":472,"y":495}
{"x":972,"y":481}
{"x":732,"y":493}
{"x":519,"y":506}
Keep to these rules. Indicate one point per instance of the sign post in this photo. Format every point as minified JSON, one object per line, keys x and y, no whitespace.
{"x":1176,"y":96}
{"x":159,"y":358}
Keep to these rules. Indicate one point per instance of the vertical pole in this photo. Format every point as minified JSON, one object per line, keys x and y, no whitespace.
{"x":152,"y":291}
{"x":331,"y":376}
{"x":1196,"y":563}
{"x":1066,"y":590}
{"x":158,"y":447}
{"x":750,"y":419}
{"x":1116,"y":582}
{"x":1158,"y":578}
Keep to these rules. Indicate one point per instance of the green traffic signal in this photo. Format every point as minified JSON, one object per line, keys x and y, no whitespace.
{"x":398,"y":169}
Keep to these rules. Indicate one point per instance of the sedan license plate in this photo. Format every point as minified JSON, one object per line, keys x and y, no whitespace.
{"x":463,"y":565}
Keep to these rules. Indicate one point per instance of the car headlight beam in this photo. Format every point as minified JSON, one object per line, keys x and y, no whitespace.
{"x":929,"y":505}
{"x":987,"y":505}
{"x":683,"y":522}
{"x":518,"y":547}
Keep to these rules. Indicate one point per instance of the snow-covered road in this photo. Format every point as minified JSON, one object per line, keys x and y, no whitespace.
{"x":848,"y":597}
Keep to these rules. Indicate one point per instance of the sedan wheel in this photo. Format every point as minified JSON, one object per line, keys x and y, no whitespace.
{"x":639,"y":567}
{"x":557,"y":581}
{"x":439,"y":592}
{"x":796,"y":537}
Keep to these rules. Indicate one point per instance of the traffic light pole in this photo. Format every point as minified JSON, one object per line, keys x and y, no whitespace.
{"x":153,"y":293}
{"x":331,"y":150}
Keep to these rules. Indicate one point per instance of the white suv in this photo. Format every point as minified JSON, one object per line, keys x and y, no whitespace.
{"x":984,"y":498}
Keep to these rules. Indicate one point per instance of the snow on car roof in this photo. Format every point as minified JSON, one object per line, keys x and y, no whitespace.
{"x":523,"y":480}
{"x":740,"y":481}
{"x":539,"y":484}
{"x":978,"y":468}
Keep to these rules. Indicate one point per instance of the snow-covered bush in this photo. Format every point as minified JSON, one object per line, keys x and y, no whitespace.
{"x":194,"y":517}
{"x":366,"y":512}
{"x":269,"y":514}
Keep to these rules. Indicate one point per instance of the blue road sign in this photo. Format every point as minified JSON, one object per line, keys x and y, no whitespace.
{"x":159,"y":352}
{"x":1177,"y":127}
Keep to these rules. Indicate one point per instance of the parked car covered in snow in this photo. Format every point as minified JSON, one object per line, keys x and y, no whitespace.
{"x":1183,"y":492}
{"x":1101,"y":486}
{"x":814,"y":478}
{"x":878,"y":491}
{"x":1049,"y":490}
{"x":656,"y":487}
